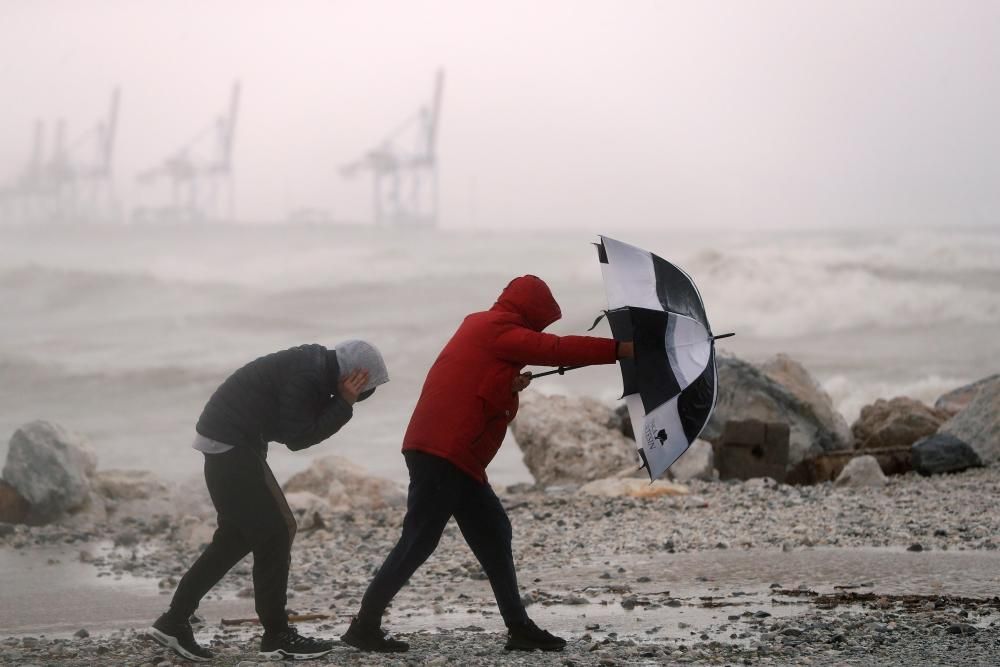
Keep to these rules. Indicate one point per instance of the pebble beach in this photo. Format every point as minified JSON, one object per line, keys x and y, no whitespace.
{"x":731,"y":573}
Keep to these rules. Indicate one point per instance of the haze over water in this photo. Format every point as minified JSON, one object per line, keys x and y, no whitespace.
{"x":122,"y":333}
{"x":828,"y":173}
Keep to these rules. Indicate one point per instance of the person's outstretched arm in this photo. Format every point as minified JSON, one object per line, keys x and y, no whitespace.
{"x":523,"y":346}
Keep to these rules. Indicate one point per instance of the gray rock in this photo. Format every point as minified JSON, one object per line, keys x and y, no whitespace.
{"x":567,"y":441}
{"x":979,"y":423}
{"x":120,"y":485}
{"x":793,"y":376}
{"x":962,"y":629}
{"x":698,"y":462}
{"x":620,"y":421}
{"x":941,"y":453}
{"x":126,"y":538}
{"x":306,"y":506}
{"x":345,"y":485}
{"x":957,"y":400}
{"x":746,"y":392}
{"x":862,"y":471}
{"x":50,"y":468}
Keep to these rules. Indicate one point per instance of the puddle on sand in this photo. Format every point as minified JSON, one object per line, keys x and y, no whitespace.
{"x":718,"y":593}
{"x":49,"y":589}
{"x":680,"y":597}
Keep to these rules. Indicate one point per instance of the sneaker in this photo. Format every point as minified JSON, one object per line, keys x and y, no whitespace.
{"x":527,"y":637}
{"x":371,"y":638}
{"x":179,"y":636}
{"x":289,"y":644}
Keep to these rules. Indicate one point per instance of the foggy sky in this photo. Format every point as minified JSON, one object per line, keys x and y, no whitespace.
{"x":596,"y":115}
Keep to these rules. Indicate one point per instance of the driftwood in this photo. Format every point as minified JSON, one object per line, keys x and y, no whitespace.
{"x":292,"y":618}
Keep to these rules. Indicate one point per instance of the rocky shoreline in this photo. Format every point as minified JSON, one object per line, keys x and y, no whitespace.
{"x":577,"y":551}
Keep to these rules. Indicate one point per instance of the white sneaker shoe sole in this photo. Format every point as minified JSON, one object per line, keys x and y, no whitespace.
{"x":173,"y":644}
{"x":282,"y":654}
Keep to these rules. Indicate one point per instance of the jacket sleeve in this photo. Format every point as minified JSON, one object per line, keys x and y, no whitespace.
{"x":521,"y":345}
{"x":303,"y":425}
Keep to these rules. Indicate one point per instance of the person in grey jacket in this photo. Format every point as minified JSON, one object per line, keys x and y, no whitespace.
{"x":298,"y":397}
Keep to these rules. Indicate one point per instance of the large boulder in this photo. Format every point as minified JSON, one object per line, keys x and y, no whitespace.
{"x":345,"y":486}
{"x":862,"y":471}
{"x":941,"y":453}
{"x":140,"y":494}
{"x":191,"y":497}
{"x":50,"y":468}
{"x":567,"y":440}
{"x":979,"y":423}
{"x":193,"y":531}
{"x":746,"y":392}
{"x":794,"y":377}
{"x":125,"y":485}
{"x":698,"y":462}
{"x":898,"y":422}
{"x":957,"y":400}
{"x":305,"y":504}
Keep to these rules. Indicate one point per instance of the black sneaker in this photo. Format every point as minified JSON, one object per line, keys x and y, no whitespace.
{"x":371,"y":638}
{"x":289,"y":644}
{"x":527,"y":637}
{"x":177,"y":635}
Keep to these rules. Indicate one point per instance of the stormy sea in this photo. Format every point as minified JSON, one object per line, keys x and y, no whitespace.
{"x":121,"y":333}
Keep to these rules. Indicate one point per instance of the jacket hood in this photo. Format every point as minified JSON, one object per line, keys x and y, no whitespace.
{"x":354,"y":355}
{"x":529,"y":297}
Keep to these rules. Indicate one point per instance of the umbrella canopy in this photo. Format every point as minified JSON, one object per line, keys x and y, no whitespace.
{"x":670,"y":384}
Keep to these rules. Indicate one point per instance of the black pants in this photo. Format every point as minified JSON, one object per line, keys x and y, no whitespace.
{"x":253,"y":516}
{"x":438,"y":491}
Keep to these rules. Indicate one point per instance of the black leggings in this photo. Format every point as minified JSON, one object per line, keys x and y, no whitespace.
{"x":253,"y":516}
{"x":438,"y":491}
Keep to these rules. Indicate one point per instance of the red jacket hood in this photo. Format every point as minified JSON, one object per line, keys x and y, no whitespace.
{"x":529,"y":297}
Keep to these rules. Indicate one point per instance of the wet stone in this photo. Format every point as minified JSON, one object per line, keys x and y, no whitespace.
{"x":962,"y":629}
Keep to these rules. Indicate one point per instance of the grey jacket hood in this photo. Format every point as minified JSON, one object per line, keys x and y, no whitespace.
{"x":353,"y":355}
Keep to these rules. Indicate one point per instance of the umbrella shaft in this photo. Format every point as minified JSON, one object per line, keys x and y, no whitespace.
{"x":560,"y":371}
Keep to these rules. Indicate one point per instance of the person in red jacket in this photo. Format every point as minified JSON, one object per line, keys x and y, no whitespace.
{"x":468,"y":398}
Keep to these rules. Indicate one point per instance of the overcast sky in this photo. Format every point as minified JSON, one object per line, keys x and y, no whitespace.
{"x":556,"y":114}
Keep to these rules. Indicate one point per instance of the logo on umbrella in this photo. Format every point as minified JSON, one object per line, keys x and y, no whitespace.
{"x":662,"y":436}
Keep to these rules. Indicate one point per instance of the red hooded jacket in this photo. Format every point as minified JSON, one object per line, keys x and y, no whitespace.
{"x":467,"y":400}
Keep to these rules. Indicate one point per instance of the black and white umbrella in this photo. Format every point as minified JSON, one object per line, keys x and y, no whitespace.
{"x":670,"y":383}
{"x":670,"y":386}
